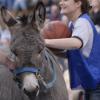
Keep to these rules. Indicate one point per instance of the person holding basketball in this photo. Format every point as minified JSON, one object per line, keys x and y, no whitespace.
{"x":83,"y":50}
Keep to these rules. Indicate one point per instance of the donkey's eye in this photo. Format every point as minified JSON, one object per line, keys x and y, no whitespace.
{"x":11,"y":22}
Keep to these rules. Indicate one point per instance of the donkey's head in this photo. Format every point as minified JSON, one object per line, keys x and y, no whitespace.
{"x":27,"y":43}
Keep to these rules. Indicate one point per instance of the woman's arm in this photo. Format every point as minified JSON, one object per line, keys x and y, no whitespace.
{"x":65,"y":43}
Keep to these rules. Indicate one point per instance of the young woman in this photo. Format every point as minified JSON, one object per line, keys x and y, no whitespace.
{"x":82,"y":48}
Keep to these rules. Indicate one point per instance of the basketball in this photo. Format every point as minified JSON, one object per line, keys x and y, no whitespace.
{"x":55,"y":30}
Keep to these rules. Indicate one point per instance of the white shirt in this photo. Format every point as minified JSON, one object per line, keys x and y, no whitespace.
{"x":83,"y":30}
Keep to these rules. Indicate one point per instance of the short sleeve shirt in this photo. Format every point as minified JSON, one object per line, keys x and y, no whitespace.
{"x":83,"y":30}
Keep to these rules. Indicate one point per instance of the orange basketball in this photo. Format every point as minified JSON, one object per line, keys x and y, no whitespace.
{"x":55,"y":30}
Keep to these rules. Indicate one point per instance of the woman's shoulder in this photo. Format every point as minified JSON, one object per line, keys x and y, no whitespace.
{"x":82,"y":22}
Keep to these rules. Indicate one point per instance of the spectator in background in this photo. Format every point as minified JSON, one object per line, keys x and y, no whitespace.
{"x":95,"y":4}
{"x":5,"y":42}
{"x":47,"y":4}
{"x":5,"y":35}
{"x":54,"y":12}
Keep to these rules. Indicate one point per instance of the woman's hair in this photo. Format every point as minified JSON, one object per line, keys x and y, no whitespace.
{"x":84,"y":6}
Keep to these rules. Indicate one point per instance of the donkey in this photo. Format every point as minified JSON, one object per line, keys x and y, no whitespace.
{"x":38,"y":73}
{"x":9,"y":90}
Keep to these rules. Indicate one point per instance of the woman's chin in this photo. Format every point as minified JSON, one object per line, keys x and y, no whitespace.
{"x":63,"y":12}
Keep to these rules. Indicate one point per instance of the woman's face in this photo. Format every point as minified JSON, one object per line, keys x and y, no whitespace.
{"x":95,"y":4}
{"x":68,"y":6}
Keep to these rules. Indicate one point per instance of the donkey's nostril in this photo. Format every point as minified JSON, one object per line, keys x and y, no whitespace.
{"x":25,"y":90}
{"x":37,"y":88}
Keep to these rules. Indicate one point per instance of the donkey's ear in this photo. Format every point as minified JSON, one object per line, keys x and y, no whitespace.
{"x":7,"y":17}
{"x":2,"y":23}
{"x":39,"y":14}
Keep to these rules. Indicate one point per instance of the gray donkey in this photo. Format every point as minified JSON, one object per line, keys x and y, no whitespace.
{"x":38,"y":73}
